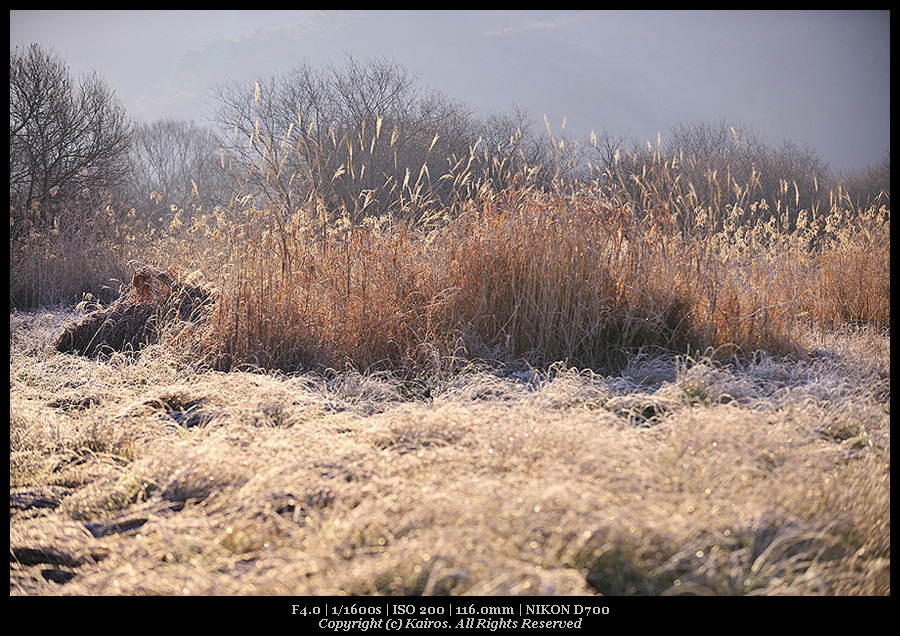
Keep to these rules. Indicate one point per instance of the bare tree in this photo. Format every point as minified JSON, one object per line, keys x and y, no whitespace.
{"x":64,"y":135}
{"x":358,"y":137}
{"x":175,"y":162}
{"x":717,"y":168}
{"x":507,"y":146}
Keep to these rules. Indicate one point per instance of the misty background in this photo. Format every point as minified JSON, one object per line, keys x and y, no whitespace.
{"x":817,"y":78}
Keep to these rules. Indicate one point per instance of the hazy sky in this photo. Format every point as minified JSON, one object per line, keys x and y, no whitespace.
{"x":820,"y":78}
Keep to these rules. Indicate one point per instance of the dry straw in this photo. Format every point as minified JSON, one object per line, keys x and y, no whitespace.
{"x":494,"y":259}
{"x":615,"y":455}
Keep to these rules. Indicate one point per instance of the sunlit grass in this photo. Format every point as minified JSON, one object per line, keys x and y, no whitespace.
{"x":679,"y":475}
{"x":430,"y":271}
{"x":542,"y":277}
{"x":517,"y":390}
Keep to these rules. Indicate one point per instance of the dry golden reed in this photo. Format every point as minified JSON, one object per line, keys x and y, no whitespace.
{"x":530,"y":275}
{"x":433,"y":271}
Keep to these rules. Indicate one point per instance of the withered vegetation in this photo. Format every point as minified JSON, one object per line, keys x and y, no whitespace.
{"x":523,"y":390}
{"x":155,"y":299}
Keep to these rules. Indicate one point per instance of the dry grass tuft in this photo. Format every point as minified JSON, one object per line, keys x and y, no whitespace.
{"x":522,"y":276}
{"x":136,"y":318}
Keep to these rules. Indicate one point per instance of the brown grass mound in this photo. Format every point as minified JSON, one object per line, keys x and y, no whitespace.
{"x":156,"y":298}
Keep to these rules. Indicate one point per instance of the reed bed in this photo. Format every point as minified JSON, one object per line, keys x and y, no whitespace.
{"x":536,"y":277}
{"x":522,"y":275}
{"x":494,"y":259}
